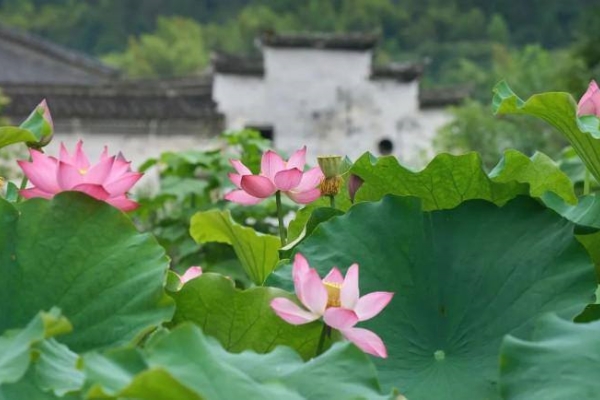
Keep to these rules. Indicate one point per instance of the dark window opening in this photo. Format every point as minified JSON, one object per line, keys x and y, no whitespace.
{"x":386,"y":147}
{"x":266,"y":131}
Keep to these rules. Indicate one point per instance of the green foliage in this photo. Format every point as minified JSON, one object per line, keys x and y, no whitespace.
{"x":557,"y":362}
{"x":241,"y":320}
{"x":185,"y":364}
{"x":560,"y":111}
{"x":176,"y":48}
{"x":192,"y":181}
{"x":533,"y":69}
{"x":448,"y":180}
{"x":85,"y":257}
{"x":461,"y":282}
{"x":257,"y":253}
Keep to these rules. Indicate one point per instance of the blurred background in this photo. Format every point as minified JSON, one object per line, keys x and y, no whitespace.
{"x":402,"y":77}
{"x":161,"y":80}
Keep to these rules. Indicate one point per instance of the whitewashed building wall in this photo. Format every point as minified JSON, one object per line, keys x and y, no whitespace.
{"x":327,"y":100}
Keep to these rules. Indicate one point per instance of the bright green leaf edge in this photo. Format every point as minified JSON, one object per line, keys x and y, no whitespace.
{"x":559,"y":109}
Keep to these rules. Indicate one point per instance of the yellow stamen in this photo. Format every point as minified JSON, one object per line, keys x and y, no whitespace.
{"x":333,"y":294}
{"x":330,"y":186}
{"x":83,"y":171}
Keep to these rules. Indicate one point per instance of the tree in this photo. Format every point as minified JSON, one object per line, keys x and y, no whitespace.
{"x":176,"y":48}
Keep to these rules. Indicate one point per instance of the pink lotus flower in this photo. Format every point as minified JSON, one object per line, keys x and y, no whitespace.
{"x":189,"y":274}
{"x":276,"y":175}
{"x":108,"y":180}
{"x":337,"y":300}
{"x":589,"y":104}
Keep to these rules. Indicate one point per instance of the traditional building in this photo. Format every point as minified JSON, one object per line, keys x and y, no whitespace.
{"x":90,"y":101}
{"x":323,"y":90}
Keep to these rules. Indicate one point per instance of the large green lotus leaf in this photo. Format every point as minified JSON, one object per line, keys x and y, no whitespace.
{"x":33,"y":365}
{"x":16,"y":345}
{"x":86,"y":258}
{"x":258,"y":253}
{"x":462,"y":278}
{"x":559,"y":110}
{"x":241,"y":319}
{"x":186,"y":365}
{"x":560,"y":361}
{"x":449,"y":180}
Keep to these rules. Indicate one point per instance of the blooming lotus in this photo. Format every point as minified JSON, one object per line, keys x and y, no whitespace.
{"x":276,"y":175}
{"x":108,"y":180}
{"x":589,"y":104}
{"x":189,"y":274}
{"x":337,"y":300}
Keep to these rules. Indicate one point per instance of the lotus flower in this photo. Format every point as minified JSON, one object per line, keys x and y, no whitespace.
{"x":276,"y":175}
{"x":337,"y":300}
{"x":189,"y":274}
{"x":108,"y":180}
{"x":589,"y":104}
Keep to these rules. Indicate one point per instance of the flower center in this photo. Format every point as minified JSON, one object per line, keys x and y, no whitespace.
{"x":333,"y":294}
{"x":83,"y":171}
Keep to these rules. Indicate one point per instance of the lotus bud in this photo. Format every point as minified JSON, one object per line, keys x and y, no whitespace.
{"x":589,"y":104}
{"x":330,"y":166}
{"x":40,"y":124}
{"x":354,"y":183}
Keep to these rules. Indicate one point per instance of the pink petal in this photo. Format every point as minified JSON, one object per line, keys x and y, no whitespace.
{"x":371,"y":304}
{"x":589,"y":104}
{"x":270,"y":164}
{"x":298,"y":159}
{"x":236,"y":179}
{"x":64,"y":155}
{"x":119,"y":168}
{"x":287,"y":179}
{"x":257,"y":186}
{"x":68,"y":176}
{"x":190,"y":273}
{"x":80,"y":160}
{"x":299,"y":273}
{"x":291,"y":313}
{"x":47,"y":115}
{"x":104,"y":154}
{"x":241,"y":197}
{"x":310,"y":180}
{"x":304,"y":197}
{"x":96,"y":191}
{"x":35,"y":192}
{"x":314,"y":294}
{"x":366,"y":340}
{"x":122,"y":203}
{"x":41,"y":171}
{"x":349,"y":293}
{"x":99,"y":172}
{"x":123,"y":184}
{"x":340,"y":318}
{"x":240,"y":167}
{"x":334,"y":276}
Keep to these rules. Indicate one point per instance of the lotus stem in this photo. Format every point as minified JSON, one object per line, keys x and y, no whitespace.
{"x":282,"y":233}
{"x":332,"y":201}
{"x":586,"y":182}
{"x":326,"y":331}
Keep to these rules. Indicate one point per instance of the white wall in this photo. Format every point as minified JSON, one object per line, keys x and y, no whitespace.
{"x":325,"y":99}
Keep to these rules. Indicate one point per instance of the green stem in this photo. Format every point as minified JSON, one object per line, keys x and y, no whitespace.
{"x":586,"y":182}
{"x":332,"y":201}
{"x":282,"y":233}
{"x":326,"y":331}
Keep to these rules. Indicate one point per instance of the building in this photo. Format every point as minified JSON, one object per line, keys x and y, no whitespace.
{"x":323,"y":90}
{"x":90,"y":100}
